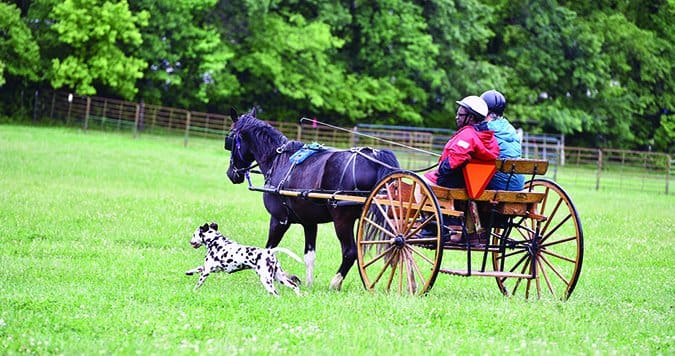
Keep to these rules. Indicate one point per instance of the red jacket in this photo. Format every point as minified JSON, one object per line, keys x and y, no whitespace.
{"x":468,"y":143}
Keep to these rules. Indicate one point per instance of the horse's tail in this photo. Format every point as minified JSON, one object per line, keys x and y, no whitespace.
{"x":288,"y":252}
{"x":388,"y":162}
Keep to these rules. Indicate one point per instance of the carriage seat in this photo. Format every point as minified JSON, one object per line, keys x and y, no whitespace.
{"x":478,"y":174}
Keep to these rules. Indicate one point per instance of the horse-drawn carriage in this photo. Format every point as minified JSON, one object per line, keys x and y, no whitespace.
{"x":530,"y":241}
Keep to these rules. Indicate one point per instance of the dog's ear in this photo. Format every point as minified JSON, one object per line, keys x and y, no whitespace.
{"x":204,"y":228}
{"x":214,"y":226}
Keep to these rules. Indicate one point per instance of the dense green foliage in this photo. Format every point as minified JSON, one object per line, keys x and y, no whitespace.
{"x":95,"y":231}
{"x":599,"y":72}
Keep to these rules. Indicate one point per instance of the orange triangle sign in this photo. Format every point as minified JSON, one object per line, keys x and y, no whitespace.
{"x":477,"y":175}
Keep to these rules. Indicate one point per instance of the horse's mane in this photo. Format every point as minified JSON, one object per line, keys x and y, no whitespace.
{"x":263,"y":134}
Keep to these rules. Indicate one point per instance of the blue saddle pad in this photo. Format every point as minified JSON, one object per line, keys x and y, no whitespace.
{"x":307,"y":150}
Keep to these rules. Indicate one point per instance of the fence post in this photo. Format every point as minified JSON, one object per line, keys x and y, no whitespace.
{"x":597,"y":177}
{"x":51,"y":110}
{"x":86,"y":114}
{"x":35,"y":107}
{"x":154,"y":117}
{"x":187,"y":130}
{"x":70,"y":105}
{"x":669,"y":166}
{"x":136,"y":116}
{"x":561,"y":144}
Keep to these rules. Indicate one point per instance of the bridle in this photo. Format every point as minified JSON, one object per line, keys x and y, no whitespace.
{"x":233,"y":144}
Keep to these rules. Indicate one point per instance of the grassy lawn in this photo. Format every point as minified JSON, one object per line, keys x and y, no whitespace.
{"x":95,"y":228}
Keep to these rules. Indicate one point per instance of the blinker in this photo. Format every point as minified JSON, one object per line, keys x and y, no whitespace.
{"x":229,"y":143}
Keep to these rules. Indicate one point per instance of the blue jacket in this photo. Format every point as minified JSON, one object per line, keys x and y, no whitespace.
{"x":509,"y":147}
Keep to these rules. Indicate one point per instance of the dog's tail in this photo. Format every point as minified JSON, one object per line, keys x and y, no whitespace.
{"x":288,"y":252}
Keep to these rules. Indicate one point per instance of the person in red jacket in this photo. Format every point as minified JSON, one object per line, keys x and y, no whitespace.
{"x":473,"y":140}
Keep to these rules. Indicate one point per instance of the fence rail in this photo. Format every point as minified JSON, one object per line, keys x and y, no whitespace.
{"x":635,"y":170}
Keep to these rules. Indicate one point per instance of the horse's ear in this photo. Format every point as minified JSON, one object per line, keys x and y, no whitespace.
{"x":204,"y":228}
{"x":253,"y":112}
{"x":214,"y":226}
{"x":233,"y":114}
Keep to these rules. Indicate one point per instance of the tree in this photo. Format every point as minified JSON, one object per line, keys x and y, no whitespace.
{"x":462,"y":31}
{"x":19,"y":53}
{"x":637,"y":48}
{"x":189,"y":65}
{"x":96,"y":35}
{"x":291,"y":65}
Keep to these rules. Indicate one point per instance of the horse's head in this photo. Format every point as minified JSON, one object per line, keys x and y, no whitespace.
{"x":238,"y":142}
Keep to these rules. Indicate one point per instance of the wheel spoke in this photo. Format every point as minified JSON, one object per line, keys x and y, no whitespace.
{"x":551,"y":253}
{"x":378,"y":257}
{"x":417,"y":267}
{"x":522,"y":271}
{"x":400,"y":273}
{"x":546,"y":236}
{"x":409,"y":271}
{"x":525,"y":232}
{"x":555,"y":270}
{"x":409,"y":209}
{"x":421,"y":255}
{"x":527,"y":288}
{"x":421,"y":240}
{"x":551,"y":216}
{"x":556,"y":242}
{"x":384,"y":214}
{"x":379,"y":227}
{"x":377,"y":242}
{"x":421,"y":225}
{"x":392,"y":207}
{"x":515,"y":266}
{"x":542,"y":272}
{"x":516,"y":252}
{"x":387,"y":263}
{"x":543,"y":203}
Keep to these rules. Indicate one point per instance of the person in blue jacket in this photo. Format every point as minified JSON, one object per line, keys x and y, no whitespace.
{"x":507,"y":138}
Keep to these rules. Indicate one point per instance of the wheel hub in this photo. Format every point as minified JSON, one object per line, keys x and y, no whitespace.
{"x":399,"y":241}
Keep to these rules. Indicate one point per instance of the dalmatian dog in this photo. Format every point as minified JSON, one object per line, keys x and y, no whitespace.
{"x":223,"y":254}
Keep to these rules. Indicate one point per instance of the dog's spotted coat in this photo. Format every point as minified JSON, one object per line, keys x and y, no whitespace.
{"x":228,"y":256}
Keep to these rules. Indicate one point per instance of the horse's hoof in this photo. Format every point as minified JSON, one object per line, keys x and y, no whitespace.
{"x":336,"y":283}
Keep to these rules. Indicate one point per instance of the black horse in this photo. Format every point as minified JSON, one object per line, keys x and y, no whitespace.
{"x":356,"y":170}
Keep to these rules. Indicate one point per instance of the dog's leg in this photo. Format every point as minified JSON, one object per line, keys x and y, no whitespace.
{"x":268,"y":283}
{"x":202,"y":277}
{"x":284,"y":279}
{"x":195,"y":270}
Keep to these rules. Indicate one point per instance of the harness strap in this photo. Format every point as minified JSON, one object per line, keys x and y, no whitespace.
{"x":372,"y":159}
{"x":352,"y":162}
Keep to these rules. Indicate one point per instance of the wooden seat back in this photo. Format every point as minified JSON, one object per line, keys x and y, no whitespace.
{"x":522,"y":166}
{"x":521,"y":203}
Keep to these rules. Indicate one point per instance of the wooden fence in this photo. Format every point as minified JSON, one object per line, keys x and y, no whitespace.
{"x":415,"y":149}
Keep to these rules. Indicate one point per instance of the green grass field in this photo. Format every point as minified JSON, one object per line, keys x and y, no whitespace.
{"x":94,"y":229}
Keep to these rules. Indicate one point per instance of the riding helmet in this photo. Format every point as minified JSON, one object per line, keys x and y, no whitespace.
{"x":475,"y":105}
{"x":495,"y":101}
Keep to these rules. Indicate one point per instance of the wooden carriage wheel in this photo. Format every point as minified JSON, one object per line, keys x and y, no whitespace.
{"x":552,"y":248}
{"x":399,"y":240}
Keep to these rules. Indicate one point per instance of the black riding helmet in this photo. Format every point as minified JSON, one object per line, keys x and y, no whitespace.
{"x":495,"y":101}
